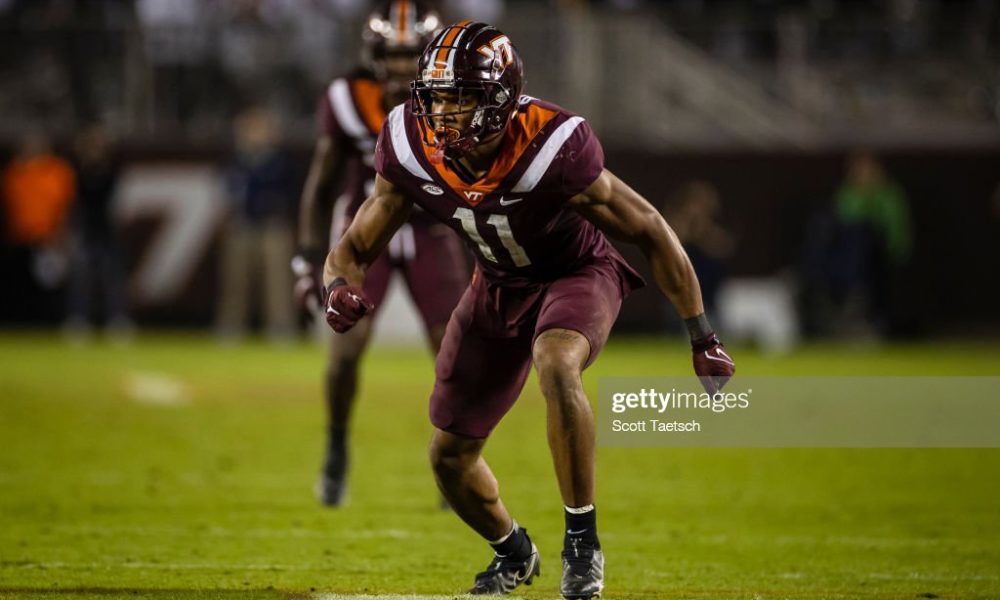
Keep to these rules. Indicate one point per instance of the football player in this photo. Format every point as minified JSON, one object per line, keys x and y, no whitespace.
{"x":523,"y":182}
{"x":427,"y":254}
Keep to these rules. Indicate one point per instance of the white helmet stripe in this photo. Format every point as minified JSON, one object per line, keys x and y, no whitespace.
{"x":454,"y":51}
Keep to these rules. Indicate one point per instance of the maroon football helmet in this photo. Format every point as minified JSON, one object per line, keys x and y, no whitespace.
{"x":398,"y":27}
{"x":468,"y":59}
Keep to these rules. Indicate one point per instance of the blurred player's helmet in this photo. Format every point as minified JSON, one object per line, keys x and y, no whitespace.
{"x":468,"y":59}
{"x":398,"y":27}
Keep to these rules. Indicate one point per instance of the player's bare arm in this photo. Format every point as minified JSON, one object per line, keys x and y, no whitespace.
{"x":377,"y":220}
{"x":622,"y":213}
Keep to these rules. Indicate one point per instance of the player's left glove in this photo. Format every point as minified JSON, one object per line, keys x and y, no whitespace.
{"x":712,"y":364}
{"x":345,"y":305}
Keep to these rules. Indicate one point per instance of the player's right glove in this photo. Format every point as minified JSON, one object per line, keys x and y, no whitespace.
{"x":711,"y":363}
{"x":345,"y":305}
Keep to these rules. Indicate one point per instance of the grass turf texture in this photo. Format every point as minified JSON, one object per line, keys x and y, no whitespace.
{"x":102,"y":496}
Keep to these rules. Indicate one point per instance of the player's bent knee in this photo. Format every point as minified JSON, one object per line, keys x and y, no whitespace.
{"x":446,"y":466}
{"x":560,"y":348}
{"x":559,"y":382}
{"x":451,"y":455}
{"x":559,"y":377}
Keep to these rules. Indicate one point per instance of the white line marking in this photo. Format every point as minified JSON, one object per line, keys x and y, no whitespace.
{"x":156,"y":389}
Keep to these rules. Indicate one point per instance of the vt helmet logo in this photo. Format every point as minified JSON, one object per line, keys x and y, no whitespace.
{"x":500,"y":49}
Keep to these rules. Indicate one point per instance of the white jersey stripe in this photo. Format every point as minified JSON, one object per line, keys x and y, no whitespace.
{"x":540,"y":164}
{"x":401,"y":145}
{"x":345,"y":111}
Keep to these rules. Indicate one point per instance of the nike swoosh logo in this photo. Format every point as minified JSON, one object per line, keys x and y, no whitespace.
{"x":723,"y":357}
{"x":509,"y":202}
{"x":571,"y":532}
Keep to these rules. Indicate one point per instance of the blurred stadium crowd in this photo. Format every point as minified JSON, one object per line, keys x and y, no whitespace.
{"x":804,"y":72}
{"x":137,"y":134}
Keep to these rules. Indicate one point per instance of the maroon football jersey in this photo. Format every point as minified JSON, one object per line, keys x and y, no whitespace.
{"x":516,"y":218}
{"x":351,"y":113}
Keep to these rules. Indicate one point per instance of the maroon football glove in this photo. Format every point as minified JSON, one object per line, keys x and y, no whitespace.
{"x":345,"y":305}
{"x":712,"y":364}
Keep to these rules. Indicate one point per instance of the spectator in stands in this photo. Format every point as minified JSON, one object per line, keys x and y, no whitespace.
{"x":258,"y":240}
{"x":854,"y":255}
{"x":694,"y":214}
{"x":97,"y":258}
{"x":38,"y":189}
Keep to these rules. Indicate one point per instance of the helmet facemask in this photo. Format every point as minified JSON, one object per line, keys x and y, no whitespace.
{"x":487,"y":101}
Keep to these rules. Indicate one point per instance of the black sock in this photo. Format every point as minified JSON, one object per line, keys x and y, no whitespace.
{"x":581,"y":527}
{"x":517,"y":545}
{"x":336,"y":440}
{"x":336,"y":452}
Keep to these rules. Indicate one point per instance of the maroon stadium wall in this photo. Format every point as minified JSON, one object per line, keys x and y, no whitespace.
{"x":173,"y":213}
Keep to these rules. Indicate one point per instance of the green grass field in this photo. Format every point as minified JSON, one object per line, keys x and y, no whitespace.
{"x":175,"y":468}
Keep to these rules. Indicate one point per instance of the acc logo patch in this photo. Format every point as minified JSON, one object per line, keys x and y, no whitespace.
{"x":432,"y":189}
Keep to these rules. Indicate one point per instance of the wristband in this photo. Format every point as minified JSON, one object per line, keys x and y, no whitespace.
{"x":339,"y":281}
{"x":698,"y":327}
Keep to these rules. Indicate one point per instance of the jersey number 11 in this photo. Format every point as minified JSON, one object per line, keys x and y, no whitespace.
{"x":502,"y":225}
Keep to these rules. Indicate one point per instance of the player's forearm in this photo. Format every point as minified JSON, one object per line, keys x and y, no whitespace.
{"x":672,"y":269}
{"x":362,"y":243}
{"x":316,"y":207}
{"x":315,"y":212}
{"x":345,"y":261}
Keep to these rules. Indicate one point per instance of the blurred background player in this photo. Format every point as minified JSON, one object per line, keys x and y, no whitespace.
{"x":425,"y":253}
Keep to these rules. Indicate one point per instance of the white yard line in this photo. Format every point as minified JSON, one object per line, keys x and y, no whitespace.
{"x":156,"y":389}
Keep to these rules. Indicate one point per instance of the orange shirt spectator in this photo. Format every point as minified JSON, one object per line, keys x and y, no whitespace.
{"x":37,"y":193}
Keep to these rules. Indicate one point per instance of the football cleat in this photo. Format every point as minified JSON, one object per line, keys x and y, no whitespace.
{"x":332,"y":485}
{"x":504,"y":574}
{"x":583,"y":571}
{"x":330,"y":491}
